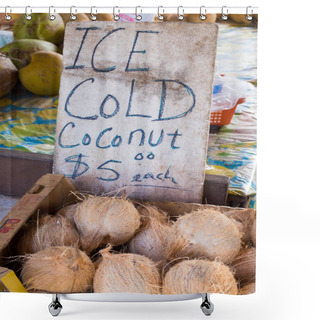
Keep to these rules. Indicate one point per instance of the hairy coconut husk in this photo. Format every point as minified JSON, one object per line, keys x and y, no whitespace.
{"x":97,"y":261}
{"x":244,"y":266}
{"x":48,"y":231}
{"x":253,"y":233}
{"x":58,"y":270}
{"x":148,"y":212}
{"x":68,"y":212}
{"x":126,"y":272}
{"x":204,"y":234}
{"x":105,"y":220}
{"x":151,"y":239}
{"x":194,"y":276}
{"x":244,"y":220}
{"x":248,"y":288}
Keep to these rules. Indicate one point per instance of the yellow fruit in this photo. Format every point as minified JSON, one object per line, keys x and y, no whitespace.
{"x":42,"y":75}
{"x":8,"y":76}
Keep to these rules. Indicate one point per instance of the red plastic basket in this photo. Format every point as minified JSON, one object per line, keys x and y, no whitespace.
{"x":223,"y":117}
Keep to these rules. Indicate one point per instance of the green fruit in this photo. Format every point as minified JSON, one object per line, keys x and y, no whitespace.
{"x":42,"y":75}
{"x":39,"y":27}
{"x":8,"y":76}
{"x":19,"y":51}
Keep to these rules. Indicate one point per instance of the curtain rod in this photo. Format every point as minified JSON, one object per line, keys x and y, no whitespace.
{"x":133,"y":10}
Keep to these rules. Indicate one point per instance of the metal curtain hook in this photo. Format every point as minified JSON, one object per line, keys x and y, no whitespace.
{"x":7,"y":16}
{"x":203,"y":13}
{"x":160,"y":16}
{"x":51,"y":15}
{"x":180,"y":13}
{"x":248,"y":15}
{"x":93,"y":17}
{"x":116,"y":16}
{"x":224,"y":13}
{"x":138,"y":16}
{"x":73,"y":15}
{"x":27,"y":14}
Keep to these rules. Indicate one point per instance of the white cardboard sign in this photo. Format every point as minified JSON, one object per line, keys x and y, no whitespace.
{"x":134,"y":108}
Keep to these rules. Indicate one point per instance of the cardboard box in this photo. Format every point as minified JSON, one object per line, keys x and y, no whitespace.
{"x":49,"y":193}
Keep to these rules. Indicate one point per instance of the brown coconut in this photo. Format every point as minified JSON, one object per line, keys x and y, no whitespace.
{"x":248,"y":288}
{"x":244,"y":220}
{"x":244,"y":266}
{"x":105,"y":220}
{"x":196,"y":276}
{"x":68,"y":212}
{"x":46,"y":232}
{"x":58,"y":270}
{"x":204,"y":233}
{"x":126,"y":272}
{"x":151,"y":239}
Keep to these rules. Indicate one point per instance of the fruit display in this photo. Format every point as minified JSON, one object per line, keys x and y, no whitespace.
{"x":42,"y":34}
{"x":116,"y":245}
{"x":113,"y":244}
{"x":32,"y":57}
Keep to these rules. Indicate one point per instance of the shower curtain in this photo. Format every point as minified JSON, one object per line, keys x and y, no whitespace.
{"x":136,"y":116}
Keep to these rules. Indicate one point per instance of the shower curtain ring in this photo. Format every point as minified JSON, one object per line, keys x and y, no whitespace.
{"x":180,"y":13}
{"x":93,"y":16}
{"x":249,"y":15}
{"x":73,"y":15}
{"x":27,"y":14}
{"x":224,"y":13}
{"x":51,"y":15}
{"x":203,"y":13}
{"x":116,"y":16}
{"x":138,"y":16}
{"x":160,"y":15}
{"x":7,"y":16}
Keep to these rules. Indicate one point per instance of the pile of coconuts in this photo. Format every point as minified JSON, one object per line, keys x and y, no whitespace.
{"x":115,"y":245}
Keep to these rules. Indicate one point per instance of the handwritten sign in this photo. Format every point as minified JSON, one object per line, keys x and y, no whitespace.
{"x":134,"y":108}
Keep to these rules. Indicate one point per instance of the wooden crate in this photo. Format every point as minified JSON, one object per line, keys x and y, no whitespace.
{"x":20,"y":170}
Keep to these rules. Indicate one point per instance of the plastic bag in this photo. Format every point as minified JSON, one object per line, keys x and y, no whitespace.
{"x":227,"y":91}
